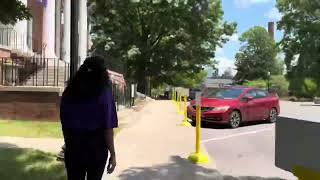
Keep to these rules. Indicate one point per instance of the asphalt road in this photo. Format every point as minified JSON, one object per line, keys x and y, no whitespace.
{"x":250,"y":149}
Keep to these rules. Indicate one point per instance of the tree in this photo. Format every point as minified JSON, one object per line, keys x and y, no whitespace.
{"x":12,"y":11}
{"x":257,"y":55}
{"x":159,"y":38}
{"x":301,"y":41}
{"x":279,"y":67}
{"x":227,"y":73}
{"x":194,"y":81}
{"x":215,"y":73}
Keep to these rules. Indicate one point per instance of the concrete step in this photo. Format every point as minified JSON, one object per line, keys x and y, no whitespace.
{"x":45,"y":80}
{"x":49,"y":77}
{"x":62,"y":78}
{"x":46,"y":84}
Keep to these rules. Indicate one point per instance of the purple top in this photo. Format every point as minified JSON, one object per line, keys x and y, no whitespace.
{"x":88,"y":115}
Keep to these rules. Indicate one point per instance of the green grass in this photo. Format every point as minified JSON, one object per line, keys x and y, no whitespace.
{"x":33,"y":129}
{"x":30,"y":129}
{"x":24,"y":164}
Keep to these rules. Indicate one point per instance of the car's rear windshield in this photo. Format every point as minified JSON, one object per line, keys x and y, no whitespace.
{"x":225,"y":93}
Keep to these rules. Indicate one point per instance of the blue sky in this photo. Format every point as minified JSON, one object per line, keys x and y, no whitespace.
{"x":247,"y":14}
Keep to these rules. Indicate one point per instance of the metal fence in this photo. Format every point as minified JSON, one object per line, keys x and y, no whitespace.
{"x":49,"y":72}
{"x":33,"y":72}
{"x":122,"y":96}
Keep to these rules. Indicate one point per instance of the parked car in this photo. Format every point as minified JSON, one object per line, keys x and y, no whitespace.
{"x":235,"y":105}
{"x":192,"y":93}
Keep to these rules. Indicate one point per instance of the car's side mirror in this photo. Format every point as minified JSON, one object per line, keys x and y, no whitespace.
{"x":248,"y":98}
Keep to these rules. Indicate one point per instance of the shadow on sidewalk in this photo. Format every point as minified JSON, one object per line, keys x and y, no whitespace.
{"x":28,"y":164}
{"x":180,"y":169}
{"x":7,"y":145}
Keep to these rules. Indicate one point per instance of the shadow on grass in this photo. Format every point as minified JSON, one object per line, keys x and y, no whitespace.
{"x":27,"y":164}
{"x":180,"y":168}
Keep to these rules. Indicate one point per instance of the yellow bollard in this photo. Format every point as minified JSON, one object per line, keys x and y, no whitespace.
{"x":177,"y":102}
{"x":180,"y":105}
{"x":305,"y":174}
{"x":185,"y":120}
{"x":173,"y":95}
{"x":198,"y":156}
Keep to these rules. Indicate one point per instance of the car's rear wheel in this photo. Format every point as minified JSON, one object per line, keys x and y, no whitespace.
{"x":235,"y":119}
{"x":193,"y":122}
{"x":273,"y":114}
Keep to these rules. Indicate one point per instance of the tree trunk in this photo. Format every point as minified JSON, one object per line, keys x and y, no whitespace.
{"x":142,"y":85}
{"x":141,"y":79}
{"x":141,"y":74}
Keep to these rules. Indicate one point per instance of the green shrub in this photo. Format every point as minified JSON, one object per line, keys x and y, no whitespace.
{"x":309,"y":88}
{"x":278,"y":83}
{"x":304,"y":87}
{"x":260,"y":83}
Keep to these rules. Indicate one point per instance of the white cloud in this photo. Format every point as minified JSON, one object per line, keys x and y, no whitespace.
{"x":225,"y":63}
{"x":274,"y":14}
{"x":219,"y":51}
{"x":234,"y":38}
{"x":248,"y":3}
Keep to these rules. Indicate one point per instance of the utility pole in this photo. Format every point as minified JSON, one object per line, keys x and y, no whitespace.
{"x":74,"y":37}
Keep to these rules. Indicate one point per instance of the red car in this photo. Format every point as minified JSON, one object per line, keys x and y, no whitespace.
{"x":236,"y":105}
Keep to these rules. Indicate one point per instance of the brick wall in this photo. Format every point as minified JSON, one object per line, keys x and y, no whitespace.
{"x":15,"y":105}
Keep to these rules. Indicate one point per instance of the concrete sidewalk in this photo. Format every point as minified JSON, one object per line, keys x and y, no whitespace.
{"x":151,"y":146}
{"x":156,"y":147}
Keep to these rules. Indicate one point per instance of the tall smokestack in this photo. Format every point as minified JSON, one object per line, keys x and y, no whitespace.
{"x":271,"y":29}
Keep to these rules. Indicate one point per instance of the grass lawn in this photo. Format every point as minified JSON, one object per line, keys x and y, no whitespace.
{"x":31,"y":129}
{"x":25,"y":164}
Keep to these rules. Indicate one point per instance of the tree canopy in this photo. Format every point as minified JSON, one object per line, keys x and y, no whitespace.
{"x":257,"y":55}
{"x":12,"y":11}
{"x":183,"y":80}
{"x":159,"y":39}
{"x":301,"y":41}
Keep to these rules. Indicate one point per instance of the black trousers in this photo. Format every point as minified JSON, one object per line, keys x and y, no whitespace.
{"x":86,"y":154}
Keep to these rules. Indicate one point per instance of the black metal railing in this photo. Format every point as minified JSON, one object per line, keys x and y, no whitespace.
{"x":122,"y":96}
{"x":33,"y":72}
{"x":50,"y":72}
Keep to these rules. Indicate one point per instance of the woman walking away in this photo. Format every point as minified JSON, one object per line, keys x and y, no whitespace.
{"x":88,"y":116}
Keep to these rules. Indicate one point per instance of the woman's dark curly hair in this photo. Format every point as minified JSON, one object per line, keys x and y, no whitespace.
{"x":90,"y":80}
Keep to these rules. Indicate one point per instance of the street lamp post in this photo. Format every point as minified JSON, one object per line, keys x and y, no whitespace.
{"x":132,"y":94}
{"x":74,"y":38}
